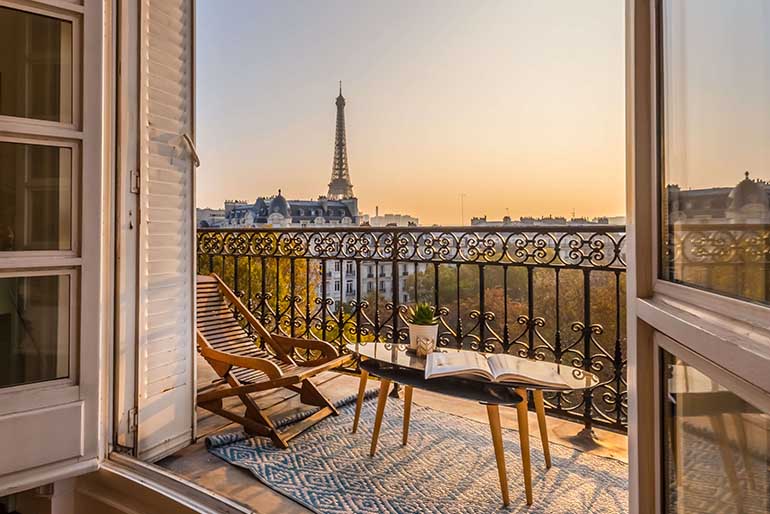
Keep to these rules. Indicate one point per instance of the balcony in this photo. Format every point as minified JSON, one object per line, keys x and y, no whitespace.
{"x":554,"y":294}
{"x":538,"y":292}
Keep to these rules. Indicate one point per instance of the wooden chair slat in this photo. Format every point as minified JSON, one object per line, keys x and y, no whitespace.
{"x":217,"y":334}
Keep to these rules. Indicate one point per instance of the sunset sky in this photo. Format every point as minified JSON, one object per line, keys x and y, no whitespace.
{"x":519,"y":104}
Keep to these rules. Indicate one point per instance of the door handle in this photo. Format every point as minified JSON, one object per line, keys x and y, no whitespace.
{"x":193,"y":150}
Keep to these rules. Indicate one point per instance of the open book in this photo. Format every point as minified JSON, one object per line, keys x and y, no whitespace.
{"x":497,"y":367}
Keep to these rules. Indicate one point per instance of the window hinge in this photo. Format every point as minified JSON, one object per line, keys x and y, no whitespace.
{"x":132,"y":420}
{"x":134,"y":181}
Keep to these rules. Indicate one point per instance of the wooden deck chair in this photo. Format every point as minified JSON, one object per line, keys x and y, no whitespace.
{"x":246,"y":368}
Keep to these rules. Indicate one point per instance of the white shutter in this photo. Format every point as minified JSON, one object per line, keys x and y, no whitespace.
{"x":166,"y":364}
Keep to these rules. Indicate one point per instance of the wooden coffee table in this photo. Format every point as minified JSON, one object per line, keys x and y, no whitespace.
{"x":392,"y":363}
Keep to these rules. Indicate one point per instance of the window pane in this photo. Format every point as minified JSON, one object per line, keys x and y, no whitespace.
{"x":34,"y":329}
{"x":716,"y":146}
{"x":35,"y":197}
{"x":716,"y":446}
{"x":35,"y":66}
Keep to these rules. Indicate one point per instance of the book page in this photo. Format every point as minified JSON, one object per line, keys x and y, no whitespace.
{"x":442,"y":364}
{"x":509,"y":368}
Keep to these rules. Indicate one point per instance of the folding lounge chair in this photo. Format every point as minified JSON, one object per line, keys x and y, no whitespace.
{"x":245,"y":368}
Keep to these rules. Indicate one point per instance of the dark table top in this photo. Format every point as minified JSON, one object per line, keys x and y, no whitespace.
{"x":456,"y":387}
{"x":396,"y":355}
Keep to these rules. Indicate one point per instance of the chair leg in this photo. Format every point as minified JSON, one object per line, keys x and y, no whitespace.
{"x":740,"y":430}
{"x":407,"y":412}
{"x":254,"y":413}
{"x":384,"y":386}
{"x":360,"y":399}
{"x":493,"y":413}
{"x":310,"y":395}
{"x":720,"y":431}
{"x":540,"y":410}
{"x":522,"y":417}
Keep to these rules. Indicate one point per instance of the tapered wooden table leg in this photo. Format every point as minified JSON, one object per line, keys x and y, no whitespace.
{"x":493,"y":413}
{"x":540,"y":410}
{"x":407,"y":412}
{"x":384,"y":386}
{"x":522,"y":415}
{"x":360,"y":399}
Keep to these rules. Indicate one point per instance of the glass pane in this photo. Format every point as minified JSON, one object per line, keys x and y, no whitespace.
{"x":716,"y":146}
{"x":716,"y":446}
{"x":35,"y":197}
{"x":34,"y":329}
{"x":35,"y":66}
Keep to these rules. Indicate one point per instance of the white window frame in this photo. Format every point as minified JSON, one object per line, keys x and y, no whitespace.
{"x":73,"y":14}
{"x":11,"y":397}
{"x":84,"y":262}
{"x":37,"y":258}
{"x":709,"y":330}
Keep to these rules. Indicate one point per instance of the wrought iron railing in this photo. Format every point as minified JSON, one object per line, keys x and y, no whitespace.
{"x":728,"y":258}
{"x":543,"y":292}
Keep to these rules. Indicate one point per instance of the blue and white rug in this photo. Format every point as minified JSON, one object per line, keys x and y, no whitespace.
{"x":448,"y":467}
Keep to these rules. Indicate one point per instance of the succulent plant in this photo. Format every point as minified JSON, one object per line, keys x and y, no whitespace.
{"x":422,"y":314}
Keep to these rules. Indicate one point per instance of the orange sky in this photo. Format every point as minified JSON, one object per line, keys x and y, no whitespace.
{"x":517,"y":104}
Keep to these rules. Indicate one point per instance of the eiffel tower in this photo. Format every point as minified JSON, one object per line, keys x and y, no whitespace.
{"x":340,"y":186}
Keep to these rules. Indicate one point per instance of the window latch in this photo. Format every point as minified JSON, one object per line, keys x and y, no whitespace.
{"x":133,"y":422}
{"x":133,"y":186}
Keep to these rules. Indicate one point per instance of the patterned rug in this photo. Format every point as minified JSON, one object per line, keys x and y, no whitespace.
{"x":448,"y":467}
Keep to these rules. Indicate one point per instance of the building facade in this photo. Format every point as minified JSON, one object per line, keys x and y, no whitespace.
{"x":277,"y":211}
{"x":393,"y":220}
{"x":507,"y":221}
{"x":746,"y":202}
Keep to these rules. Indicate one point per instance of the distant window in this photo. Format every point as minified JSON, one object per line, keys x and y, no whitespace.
{"x":349,"y":287}
{"x":336,"y":285}
{"x":336,"y":265}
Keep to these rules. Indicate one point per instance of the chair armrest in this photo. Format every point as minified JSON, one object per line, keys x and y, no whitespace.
{"x":288,"y":344}
{"x":256,"y":363}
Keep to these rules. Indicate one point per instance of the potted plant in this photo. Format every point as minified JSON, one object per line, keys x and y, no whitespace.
{"x":423,"y":327}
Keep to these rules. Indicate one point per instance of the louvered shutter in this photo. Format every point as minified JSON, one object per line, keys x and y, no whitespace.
{"x":166,"y":364}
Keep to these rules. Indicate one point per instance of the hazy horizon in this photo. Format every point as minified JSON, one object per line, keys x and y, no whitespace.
{"x":518,"y":105}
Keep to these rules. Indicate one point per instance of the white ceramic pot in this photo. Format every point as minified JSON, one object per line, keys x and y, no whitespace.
{"x":415,"y":331}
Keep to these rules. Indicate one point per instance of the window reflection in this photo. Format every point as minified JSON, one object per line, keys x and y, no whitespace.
{"x":34,"y":329}
{"x":716,"y":446}
{"x":35,"y":197}
{"x":35,"y":66}
{"x":716,"y":146}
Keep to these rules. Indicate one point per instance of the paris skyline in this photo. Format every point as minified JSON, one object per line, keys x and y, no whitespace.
{"x":443,"y":99}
